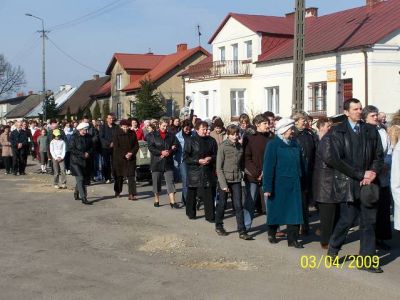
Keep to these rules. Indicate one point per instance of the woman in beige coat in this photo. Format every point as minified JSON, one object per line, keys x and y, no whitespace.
{"x":6,"y":152}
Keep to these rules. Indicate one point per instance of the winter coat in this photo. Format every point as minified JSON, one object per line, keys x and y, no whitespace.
{"x":254,"y":154}
{"x":81,"y":166}
{"x":57,"y":149}
{"x":181,"y":137}
{"x":196,"y":148}
{"x":5,"y":145}
{"x":124,"y":142}
{"x":229,"y":163}
{"x":395,"y":184}
{"x":42,"y":143}
{"x":323,"y":174}
{"x":106,"y":134}
{"x":281,"y":177}
{"x":155,"y":145}
{"x":17,"y":137}
{"x":306,"y":139}
{"x":218,"y":137}
{"x":347,"y":176}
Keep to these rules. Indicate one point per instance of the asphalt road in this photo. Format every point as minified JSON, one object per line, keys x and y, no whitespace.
{"x":53,"y":247}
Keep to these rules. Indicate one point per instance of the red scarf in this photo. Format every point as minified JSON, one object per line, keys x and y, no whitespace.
{"x":163,"y":134}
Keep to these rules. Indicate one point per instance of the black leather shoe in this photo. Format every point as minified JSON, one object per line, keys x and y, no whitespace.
{"x":86,"y":202}
{"x":245,"y":236}
{"x":221,"y":231}
{"x":272,"y":239}
{"x":174,"y":205}
{"x":380,"y":244}
{"x":76,"y":195}
{"x":296,"y":244}
{"x":156,"y":204}
{"x":372,"y":270}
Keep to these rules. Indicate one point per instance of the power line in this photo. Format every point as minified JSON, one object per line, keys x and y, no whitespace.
{"x":72,"y":58}
{"x":96,"y":13}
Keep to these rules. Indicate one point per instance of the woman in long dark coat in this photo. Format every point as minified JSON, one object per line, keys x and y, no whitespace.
{"x":125,"y":146}
{"x":81,"y":149}
{"x":281,"y":184}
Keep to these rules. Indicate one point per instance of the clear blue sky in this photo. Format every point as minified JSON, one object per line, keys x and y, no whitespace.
{"x":131,"y":26}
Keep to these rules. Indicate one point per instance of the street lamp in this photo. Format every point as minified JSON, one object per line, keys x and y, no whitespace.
{"x":43,"y":32}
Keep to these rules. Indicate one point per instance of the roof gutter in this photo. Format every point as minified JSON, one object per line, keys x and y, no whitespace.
{"x":364,"y":51}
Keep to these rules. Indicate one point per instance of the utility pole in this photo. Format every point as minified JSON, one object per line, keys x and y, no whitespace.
{"x":43,"y":36}
{"x":298,"y":58}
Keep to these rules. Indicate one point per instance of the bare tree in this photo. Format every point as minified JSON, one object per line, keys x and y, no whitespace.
{"x":11,"y":78}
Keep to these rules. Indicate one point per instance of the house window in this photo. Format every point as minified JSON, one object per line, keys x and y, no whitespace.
{"x":119,"y":111}
{"x":317,"y":97}
{"x":205,"y":103}
{"x":249,"y":49}
{"x":170,"y":107}
{"x":118,"y":82}
{"x":222,"y":53}
{"x":132,"y":109}
{"x":237,"y":103}
{"x":272,"y":99}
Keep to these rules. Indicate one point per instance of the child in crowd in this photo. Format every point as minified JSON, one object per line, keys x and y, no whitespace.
{"x":57,"y":151}
{"x":42,"y":145}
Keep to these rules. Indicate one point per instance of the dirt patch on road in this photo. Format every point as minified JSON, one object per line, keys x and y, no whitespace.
{"x":164,"y":243}
{"x":221,"y":265}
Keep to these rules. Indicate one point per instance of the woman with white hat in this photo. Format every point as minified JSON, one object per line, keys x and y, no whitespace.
{"x":281,"y":184}
{"x":81,"y":148}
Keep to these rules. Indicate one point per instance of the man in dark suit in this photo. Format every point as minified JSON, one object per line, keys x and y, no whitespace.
{"x":356,"y":156}
{"x":19,"y":145}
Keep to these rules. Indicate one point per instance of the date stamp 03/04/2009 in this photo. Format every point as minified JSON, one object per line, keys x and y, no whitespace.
{"x":334,"y":262}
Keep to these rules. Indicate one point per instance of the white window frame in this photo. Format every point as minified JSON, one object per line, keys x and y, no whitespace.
{"x":118,"y":82}
{"x":237,"y":102}
{"x":273,"y":103}
{"x":248,"y":49}
{"x":222,"y":53}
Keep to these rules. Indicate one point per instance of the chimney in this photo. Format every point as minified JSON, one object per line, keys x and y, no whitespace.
{"x":20,"y":94}
{"x":310,"y":12}
{"x":96,"y":76}
{"x":371,"y":3}
{"x":181,"y":47}
{"x":30,"y":93}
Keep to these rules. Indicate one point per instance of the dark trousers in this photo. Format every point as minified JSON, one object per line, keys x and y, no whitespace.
{"x":119,"y":182}
{"x":19,"y":160}
{"x":292,"y":232}
{"x":236,"y":192}
{"x":107,"y":163}
{"x":8,"y":163}
{"x":349,"y":212}
{"x":305,"y":196}
{"x":80,"y":186}
{"x":67,"y":160}
{"x":206,"y":194}
{"x":329,"y":215}
{"x":383,"y":225}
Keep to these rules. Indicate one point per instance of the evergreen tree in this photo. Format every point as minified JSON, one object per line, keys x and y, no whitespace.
{"x":106,"y":109}
{"x":88,"y":112}
{"x":148,"y":101}
{"x":79,"y":115}
{"x":68,"y":115}
{"x":50,"y":107}
{"x":96,"y":111}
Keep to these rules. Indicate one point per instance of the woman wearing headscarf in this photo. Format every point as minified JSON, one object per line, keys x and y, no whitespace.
{"x":81,"y":148}
{"x":125,"y":145}
{"x":281,"y":184}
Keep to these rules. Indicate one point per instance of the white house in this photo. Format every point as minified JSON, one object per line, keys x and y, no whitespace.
{"x":351,"y":53}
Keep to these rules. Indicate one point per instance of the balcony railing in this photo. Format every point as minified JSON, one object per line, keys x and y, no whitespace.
{"x":224,"y":68}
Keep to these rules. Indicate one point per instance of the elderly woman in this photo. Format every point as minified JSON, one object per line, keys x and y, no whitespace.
{"x":162,"y":146}
{"x":125,"y":145}
{"x":6,"y":152}
{"x":281,"y":184}
{"x":81,"y":148}
{"x":394,"y":133}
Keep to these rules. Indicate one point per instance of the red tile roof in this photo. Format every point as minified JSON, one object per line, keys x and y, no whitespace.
{"x":208,"y":59}
{"x":344,"y":30}
{"x":134,"y":61}
{"x":165,"y":65}
{"x":258,"y":23}
{"x":103,"y":91}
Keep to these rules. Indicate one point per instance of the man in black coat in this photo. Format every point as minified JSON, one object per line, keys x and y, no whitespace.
{"x":200,"y":155}
{"x":356,"y":155}
{"x":106,"y":140}
{"x":307,"y":142}
{"x":19,"y":146}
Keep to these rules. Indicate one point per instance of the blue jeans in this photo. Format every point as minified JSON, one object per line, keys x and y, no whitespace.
{"x":183,"y":171}
{"x":252,"y":195}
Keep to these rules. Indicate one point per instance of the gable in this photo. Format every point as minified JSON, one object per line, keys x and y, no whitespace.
{"x":232,"y":29}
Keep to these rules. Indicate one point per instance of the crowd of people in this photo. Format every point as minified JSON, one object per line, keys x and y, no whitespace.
{"x":346,"y":168}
